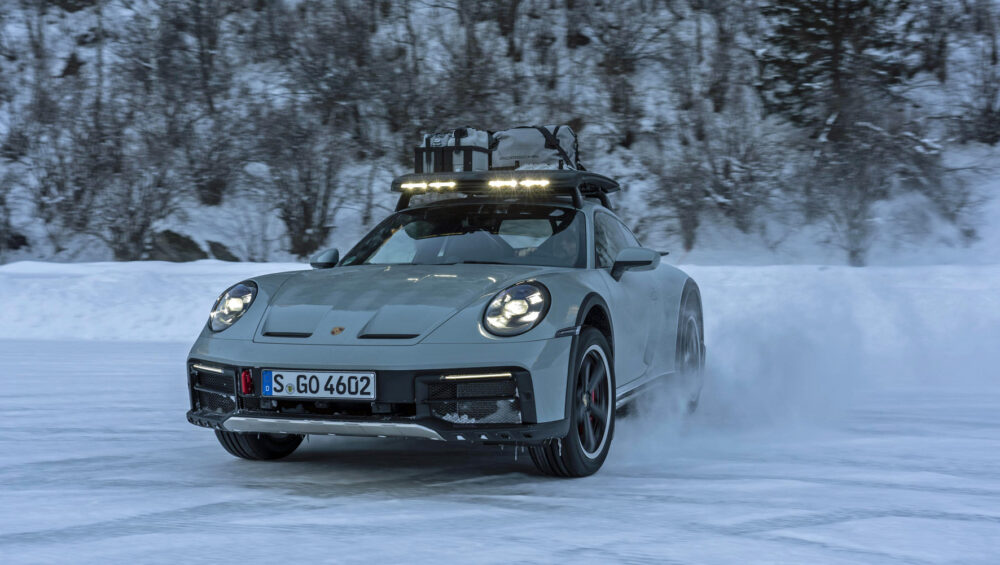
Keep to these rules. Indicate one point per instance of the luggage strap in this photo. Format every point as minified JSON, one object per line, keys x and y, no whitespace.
{"x":551,"y":142}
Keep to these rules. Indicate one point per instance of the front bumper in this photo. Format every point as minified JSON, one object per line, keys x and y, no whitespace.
{"x":411,"y":402}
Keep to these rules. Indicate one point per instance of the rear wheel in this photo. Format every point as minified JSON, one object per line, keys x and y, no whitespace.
{"x":592,"y":414}
{"x":258,"y":447}
{"x":690,"y":352}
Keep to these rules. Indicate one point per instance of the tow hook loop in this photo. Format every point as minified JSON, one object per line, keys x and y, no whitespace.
{"x":246,"y":382}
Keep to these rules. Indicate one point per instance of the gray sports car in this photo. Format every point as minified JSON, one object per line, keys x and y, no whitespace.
{"x":504,"y":308}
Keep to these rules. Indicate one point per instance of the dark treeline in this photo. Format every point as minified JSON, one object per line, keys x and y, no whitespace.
{"x":283,"y":120}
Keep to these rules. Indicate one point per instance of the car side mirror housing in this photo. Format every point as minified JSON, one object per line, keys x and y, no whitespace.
{"x":634,"y":259}
{"x":325,"y":259}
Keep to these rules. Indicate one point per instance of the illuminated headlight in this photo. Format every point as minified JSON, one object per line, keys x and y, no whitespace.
{"x":517,"y":309}
{"x":231,"y":305}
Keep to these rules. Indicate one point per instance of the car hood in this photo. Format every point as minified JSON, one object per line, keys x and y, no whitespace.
{"x":379,"y":304}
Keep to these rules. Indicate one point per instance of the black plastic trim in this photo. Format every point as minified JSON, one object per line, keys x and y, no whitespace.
{"x":589,"y":302}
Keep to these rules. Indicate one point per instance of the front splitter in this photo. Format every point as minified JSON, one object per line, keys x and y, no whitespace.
{"x":329,"y":427}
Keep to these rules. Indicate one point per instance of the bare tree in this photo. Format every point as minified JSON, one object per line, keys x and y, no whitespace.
{"x":142,"y":193}
{"x":629,"y":34}
{"x":303,"y":165}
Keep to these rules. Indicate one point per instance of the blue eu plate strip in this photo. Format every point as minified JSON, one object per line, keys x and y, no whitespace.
{"x":265,"y":386}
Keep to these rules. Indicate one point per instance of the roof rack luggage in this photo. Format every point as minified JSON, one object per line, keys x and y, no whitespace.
{"x":527,"y":161}
{"x":536,"y":147}
{"x":525,"y":147}
{"x":463,"y":149}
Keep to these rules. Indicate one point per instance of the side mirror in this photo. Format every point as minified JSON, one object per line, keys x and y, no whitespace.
{"x":634,"y":259}
{"x":325,"y":259}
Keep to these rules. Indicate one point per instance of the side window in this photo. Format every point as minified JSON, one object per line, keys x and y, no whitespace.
{"x":609,"y":239}
{"x":628,"y":236}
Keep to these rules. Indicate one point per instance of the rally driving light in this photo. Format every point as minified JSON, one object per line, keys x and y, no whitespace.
{"x":526,"y":183}
{"x":231,"y":305}
{"x":517,"y":309}
{"x":422,"y":186}
{"x":534,"y":183}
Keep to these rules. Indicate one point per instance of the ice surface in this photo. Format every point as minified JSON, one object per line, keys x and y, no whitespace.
{"x":851,"y":416}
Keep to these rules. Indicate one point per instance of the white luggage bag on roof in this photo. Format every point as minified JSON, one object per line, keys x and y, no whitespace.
{"x":536,"y":147}
{"x":456,"y":160}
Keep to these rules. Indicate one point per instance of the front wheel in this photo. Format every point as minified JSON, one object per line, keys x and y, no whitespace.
{"x":592,"y":414}
{"x":258,"y":447}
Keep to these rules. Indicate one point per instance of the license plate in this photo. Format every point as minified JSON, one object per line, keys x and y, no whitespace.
{"x":295,"y":383}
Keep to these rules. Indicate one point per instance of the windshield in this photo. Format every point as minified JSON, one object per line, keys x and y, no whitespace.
{"x":514,"y":234}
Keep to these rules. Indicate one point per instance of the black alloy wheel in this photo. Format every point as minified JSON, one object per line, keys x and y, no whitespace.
{"x":591,"y":412}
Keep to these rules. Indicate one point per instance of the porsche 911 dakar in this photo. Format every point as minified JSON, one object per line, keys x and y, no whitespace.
{"x":504,"y":302}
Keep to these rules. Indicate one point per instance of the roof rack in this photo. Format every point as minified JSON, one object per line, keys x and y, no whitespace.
{"x":576,"y":184}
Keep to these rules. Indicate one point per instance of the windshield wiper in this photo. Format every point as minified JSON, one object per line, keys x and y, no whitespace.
{"x":474,"y":262}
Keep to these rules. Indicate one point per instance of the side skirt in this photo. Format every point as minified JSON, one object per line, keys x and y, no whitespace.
{"x":635,"y":389}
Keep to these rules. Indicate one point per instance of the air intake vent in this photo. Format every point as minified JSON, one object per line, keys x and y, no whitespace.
{"x":476,"y":402}
{"x":212,"y":402}
{"x":301,"y":335}
{"x":388,"y":336}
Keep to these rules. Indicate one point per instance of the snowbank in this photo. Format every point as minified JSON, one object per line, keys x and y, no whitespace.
{"x":140,"y":301}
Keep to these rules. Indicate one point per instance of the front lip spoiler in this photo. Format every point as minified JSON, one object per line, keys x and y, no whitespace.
{"x":329,"y":427}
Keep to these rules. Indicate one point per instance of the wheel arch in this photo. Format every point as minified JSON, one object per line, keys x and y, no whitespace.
{"x":594,"y":311}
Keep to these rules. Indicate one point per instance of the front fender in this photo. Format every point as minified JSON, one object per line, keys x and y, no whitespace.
{"x":567,"y":289}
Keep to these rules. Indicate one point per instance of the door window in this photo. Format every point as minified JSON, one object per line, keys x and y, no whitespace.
{"x":609,"y":239}
{"x":627,"y":235}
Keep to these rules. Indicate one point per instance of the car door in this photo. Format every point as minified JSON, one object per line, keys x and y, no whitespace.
{"x":632,"y":300}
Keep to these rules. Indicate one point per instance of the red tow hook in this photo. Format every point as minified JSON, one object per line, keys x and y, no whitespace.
{"x":246,"y":382}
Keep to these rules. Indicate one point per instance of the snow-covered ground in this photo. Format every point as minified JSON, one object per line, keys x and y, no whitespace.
{"x":851,"y":416}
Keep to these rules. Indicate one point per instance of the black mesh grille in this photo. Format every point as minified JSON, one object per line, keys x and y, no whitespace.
{"x":440,"y":391}
{"x":479,"y":411}
{"x":473,"y":389}
{"x":490,"y":402}
{"x":215,"y":402}
{"x":222,"y":383}
{"x":486,"y":388}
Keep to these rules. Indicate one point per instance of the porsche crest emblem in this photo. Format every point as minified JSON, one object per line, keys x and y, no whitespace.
{"x":337,"y":330}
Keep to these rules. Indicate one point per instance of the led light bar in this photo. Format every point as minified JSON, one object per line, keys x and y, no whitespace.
{"x":525,"y":183}
{"x":207,"y":368}
{"x":548,"y":184}
{"x":422,"y":186}
{"x":477,"y":376}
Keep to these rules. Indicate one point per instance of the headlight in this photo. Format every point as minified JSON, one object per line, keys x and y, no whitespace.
{"x":231,"y":305}
{"x":517,"y":309}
